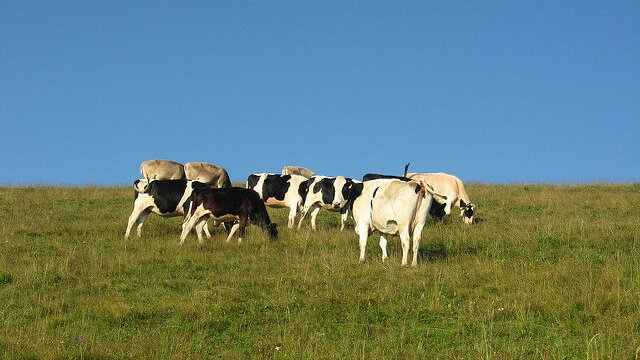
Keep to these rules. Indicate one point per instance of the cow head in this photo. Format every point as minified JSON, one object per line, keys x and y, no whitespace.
{"x":141,"y":185}
{"x":351,"y":190}
{"x":342,"y":187}
{"x":272,"y":230}
{"x":252,"y":181}
{"x":467,"y":211}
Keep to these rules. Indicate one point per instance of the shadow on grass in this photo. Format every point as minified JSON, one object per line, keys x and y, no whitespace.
{"x":439,"y":251}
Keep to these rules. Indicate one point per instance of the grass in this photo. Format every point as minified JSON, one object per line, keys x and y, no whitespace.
{"x":549,"y":272}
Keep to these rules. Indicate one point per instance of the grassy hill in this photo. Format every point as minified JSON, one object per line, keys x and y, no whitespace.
{"x":548,"y":272}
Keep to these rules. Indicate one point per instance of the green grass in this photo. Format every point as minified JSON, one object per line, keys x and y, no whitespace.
{"x":549,"y":272}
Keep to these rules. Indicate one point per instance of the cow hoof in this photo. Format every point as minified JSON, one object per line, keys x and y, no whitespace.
{"x":361,"y":261}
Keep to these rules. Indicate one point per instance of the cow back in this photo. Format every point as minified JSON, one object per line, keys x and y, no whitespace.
{"x":372,"y":176}
{"x":162,"y":170}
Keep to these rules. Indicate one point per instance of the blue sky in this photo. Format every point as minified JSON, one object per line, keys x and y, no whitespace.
{"x":498,"y":92}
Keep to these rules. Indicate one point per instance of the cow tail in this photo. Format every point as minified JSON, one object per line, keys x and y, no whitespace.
{"x":137,"y":188}
{"x":430,"y":190}
{"x":187,"y":216}
{"x":414,"y":221}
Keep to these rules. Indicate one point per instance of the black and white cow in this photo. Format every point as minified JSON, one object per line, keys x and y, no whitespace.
{"x":280,"y":191}
{"x":328,"y":193}
{"x":167,"y":198}
{"x":392,"y":207}
{"x":226,"y":205}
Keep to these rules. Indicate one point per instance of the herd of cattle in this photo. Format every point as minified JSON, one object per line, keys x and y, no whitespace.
{"x":386,"y":204}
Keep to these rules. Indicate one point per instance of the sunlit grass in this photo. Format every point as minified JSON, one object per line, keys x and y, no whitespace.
{"x":548,"y":272}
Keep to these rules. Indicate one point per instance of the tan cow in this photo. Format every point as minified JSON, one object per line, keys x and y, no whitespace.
{"x":162,"y":170}
{"x":213,"y":175}
{"x":297,"y":170}
{"x":451,"y":187}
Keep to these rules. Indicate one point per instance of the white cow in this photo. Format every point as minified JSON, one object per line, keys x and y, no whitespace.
{"x":451,"y":187}
{"x":392,"y":207}
{"x":297,"y":170}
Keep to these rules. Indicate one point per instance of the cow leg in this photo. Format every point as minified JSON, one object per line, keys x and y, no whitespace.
{"x":206,"y":229}
{"x":242,"y":225}
{"x":417,"y":235}
{"x":383,"y":246}
{"x":363,"y":234}
{"x":234,"y":228}
{"x":447,"y":207}
{"x":314,"y":216}
{"x":200,"y":228}
{"x":303,"y":214}
{"x":343,"y":217}
{"x":133,"y":218}
{"x":292,"y":216}
{"x":188,"y":225}
{"x":405,"y":240}
{"x":141,"y":219}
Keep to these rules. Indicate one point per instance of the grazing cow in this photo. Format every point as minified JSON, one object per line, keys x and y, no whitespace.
{"x":297,"y":170}
{"x":392,"y":207}
{"x":280,"y":191}
{"x":451,"y":187}
{"x":329,"y":193}
{"x":226,"y":205}
{"x":167,"y":198}
{"x":213,"y":175}
{"x":162,"y":170}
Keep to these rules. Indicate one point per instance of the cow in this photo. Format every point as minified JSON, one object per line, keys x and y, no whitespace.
{"x":392,"y":207}
{"x":436,"y":210}
{"x":226,"y":205}
{"x":162,"y":170}
{"x":280,"y":191}
{"x":167,"y":198}
{"x":298,"y":170}
{"x":451,"y":187}
{"x":213,"y":175}
{"x":328,"y":193}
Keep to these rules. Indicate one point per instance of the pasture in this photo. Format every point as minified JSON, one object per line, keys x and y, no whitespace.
{"x":548,"y":272}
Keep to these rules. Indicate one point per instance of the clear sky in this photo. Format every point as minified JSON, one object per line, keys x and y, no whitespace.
{"x":491,"y":91}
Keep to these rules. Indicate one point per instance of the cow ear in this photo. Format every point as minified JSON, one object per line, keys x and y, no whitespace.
{"x":462,"y":204}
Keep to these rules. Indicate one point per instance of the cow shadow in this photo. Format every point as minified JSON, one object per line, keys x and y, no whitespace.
{"x":438,"y":251}
{"x":433,"y":252}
